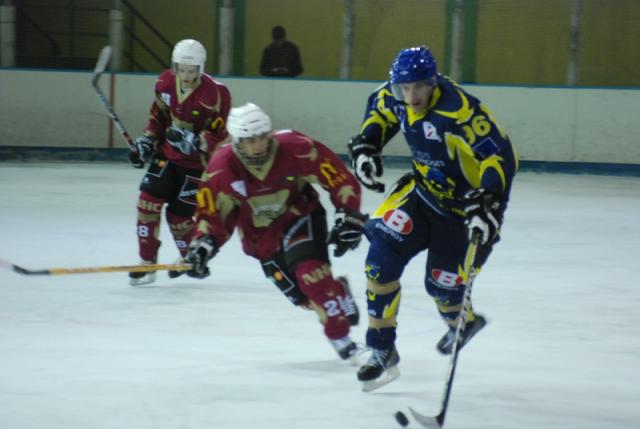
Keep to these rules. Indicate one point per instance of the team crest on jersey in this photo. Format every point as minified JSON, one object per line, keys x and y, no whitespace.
{"x":430,"y":131}
{"x":166,"y":97}
{"x":372,"y":272}
{"x":399,"y":221}
{"x":240,"y":187}
{"x":446,"y":279}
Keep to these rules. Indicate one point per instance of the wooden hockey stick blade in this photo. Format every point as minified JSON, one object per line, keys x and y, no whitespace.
{"x":426,"y":421}
{"x":105,"y":269}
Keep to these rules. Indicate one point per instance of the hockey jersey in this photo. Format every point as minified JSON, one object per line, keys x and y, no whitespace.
{"x":456,"y":144}
{"x":263,"y":202}
{"x":203,"y":111}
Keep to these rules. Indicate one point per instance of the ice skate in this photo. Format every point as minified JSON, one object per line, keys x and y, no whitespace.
{"x":348,"y":304}
{"x":142,"y":278}
{"x":174,"y":273}
{"x":345,"y":347}
{"x":472,"y":327}
{"x":380,"y":369}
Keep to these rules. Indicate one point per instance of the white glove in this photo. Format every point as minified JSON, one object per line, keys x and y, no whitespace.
{"x":482,"y":210}
{"x":201,"y":250}
{"x":183,"y":140}
{"x":366,"y":162}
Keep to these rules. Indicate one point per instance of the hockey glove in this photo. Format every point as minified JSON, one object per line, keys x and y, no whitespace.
{"x":366,"y":162}
{"x":347,"y":230}
{"x":183,"y":140}
{"x":482,"y":213}
{"x":143,"y":152}
{"x":201,"y":250}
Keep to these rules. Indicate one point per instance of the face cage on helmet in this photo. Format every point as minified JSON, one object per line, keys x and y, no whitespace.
{"x":255,"y":161}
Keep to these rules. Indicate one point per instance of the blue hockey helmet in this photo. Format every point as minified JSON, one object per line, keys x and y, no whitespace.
{"x":413,"y":64}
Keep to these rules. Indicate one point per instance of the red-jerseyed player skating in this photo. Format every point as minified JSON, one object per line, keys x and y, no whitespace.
{"x":187,"y":123}
{"x":261,"y":184}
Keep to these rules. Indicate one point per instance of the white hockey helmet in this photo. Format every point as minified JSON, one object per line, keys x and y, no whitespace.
{"x":189,"y":52}
{"x":246,"y":121}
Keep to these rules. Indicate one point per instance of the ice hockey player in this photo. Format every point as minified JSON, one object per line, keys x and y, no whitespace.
{"x":187,"y":123}
{"x":463,"y":166}
{"x":262,"y":184}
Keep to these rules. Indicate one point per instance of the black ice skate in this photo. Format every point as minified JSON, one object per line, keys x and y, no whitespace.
{"x":380,"y":369}
{"x":173,"y":273}
{"x":348,"y":304}
{"x":445,"y":345}
{"x":345,"y":347}
{"x":142,"y":278}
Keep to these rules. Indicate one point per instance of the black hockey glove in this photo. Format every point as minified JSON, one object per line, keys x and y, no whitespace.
{"x":183,"y":140}
{"x":201,"y":250}
{"x":482,"y":213}
{"x":347,"y":230}
{"x":366,"y":162}
{"x":143,"y":153}
{"x":135,"y":161}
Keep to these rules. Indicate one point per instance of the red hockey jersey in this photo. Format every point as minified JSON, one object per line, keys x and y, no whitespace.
{"x":262,"y":203}
{"x":203,"y":111}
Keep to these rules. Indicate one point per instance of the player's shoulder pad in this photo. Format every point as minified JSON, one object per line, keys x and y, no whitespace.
{"x":453,"y":101}
{"x":214,"y":94}
{"x":166,"y":81}
{"x":294,"y":142}
{"x":291,"y":137}
{"x":383,"y":90}
{"x":223,"y":155}
{"x":382,"y":96}
{"x":209,"y":81}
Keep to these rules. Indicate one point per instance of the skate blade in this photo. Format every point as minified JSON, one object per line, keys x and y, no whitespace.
{"x":141,"y":281}
{"x":387,"y":377}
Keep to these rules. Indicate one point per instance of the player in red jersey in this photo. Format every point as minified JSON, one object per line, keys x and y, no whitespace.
{"x":262,"y":184}
{"x":186,"y":125}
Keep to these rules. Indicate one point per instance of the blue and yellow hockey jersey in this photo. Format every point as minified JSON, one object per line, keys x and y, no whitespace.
{"x":456,"y":145}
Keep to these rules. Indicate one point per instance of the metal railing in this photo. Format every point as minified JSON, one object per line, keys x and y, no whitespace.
{"x":49,"y":43}
{"x":134,"y":40}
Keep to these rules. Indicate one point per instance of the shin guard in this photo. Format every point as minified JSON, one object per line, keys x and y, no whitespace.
{"x":181,"y":230}
{"x":148,"y":225}
{"x":383,"y":301}
{"x":316,"y":282}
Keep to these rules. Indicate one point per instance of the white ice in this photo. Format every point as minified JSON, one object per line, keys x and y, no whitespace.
{"x":562,"y":349}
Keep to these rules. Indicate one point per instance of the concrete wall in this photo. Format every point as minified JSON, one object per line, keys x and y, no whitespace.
{"x":60,"y":109}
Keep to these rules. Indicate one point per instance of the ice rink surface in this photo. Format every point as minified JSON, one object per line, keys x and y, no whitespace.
{"x":562,"y":348}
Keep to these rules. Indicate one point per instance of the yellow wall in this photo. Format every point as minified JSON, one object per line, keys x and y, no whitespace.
{"x":518,"y":41}
{"x":610,"y":38}
{"x":523,"y":41}
{"x":313,"y":25}
{"x":383,"y":27}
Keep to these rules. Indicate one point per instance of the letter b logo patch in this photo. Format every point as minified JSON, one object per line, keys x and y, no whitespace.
{"x":398,"y":221}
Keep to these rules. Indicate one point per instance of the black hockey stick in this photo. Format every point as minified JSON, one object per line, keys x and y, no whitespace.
{"x":437,"y":422}
{"x":85,"y":270}
{"x":101,"y":65}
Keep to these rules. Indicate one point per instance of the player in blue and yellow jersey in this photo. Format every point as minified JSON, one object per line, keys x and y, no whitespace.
{"x":463,"y":166}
